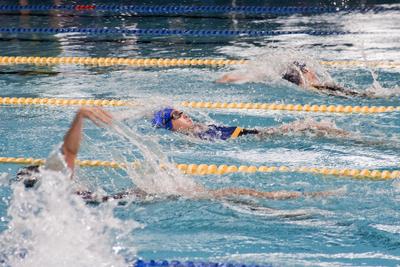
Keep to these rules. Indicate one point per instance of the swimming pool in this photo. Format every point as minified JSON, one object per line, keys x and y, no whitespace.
{"x":358,"y":226}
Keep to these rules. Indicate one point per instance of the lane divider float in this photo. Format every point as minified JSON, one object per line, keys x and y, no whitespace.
{"x":21,"y":101}
{"x":174,"y":263}
{"x":113,"y":61}
{"x":169,"y":32}
{"x":292,"y":107}
{"x":198,"y":9}
{"x":168,"y":62}
{"x":212,"y":169}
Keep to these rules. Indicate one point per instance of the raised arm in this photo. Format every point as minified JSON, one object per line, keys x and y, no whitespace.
{"x":72,"y":138}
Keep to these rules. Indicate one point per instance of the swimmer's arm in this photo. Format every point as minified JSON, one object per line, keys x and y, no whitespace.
{"x":230,"y":78}
{"x":72,"y":138}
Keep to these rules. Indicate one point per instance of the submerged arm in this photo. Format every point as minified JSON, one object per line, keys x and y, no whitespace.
{"x":230,"y":78}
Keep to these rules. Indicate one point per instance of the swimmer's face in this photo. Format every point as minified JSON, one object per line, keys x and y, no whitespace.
{"x":180,"y":121}
{"x":309,"y":78}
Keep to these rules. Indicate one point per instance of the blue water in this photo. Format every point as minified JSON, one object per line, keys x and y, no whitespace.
{"x":359,"y":226}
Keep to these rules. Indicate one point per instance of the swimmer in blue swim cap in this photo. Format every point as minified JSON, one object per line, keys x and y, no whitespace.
{"x":62,"y":160}
{"x":300,"y":74}
{"x":163,"y":118}
{"x":178,"y":121}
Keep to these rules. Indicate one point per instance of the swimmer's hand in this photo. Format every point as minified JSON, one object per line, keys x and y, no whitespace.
{"x":97,"y":115}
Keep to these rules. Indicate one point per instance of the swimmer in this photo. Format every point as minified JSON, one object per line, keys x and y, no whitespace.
{"x":63,"y":160}
{"x":178,"y":121}
{"x":301,"y":75}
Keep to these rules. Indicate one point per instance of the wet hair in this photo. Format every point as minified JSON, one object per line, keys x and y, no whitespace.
{"x":292,"y":75}
{"x":294,"y":72}
{"x":28,"y":175}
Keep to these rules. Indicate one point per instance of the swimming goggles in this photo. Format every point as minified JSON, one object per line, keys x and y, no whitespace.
{"x":301,"y":66}
{"x":176,"y":115}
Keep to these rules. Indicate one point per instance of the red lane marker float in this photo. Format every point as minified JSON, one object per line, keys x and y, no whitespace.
{"x":85,"y":7}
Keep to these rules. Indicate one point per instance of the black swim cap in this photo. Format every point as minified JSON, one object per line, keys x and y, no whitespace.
{"x":28,"y":175}
{"x":292,"y":75}
{"x":294,"y":72}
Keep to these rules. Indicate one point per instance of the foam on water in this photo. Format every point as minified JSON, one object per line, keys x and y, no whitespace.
{"x":51,"y":226}
{"x":377,"y":90}
{"x":156,"y":175}
{"x":268,"y":64}
{"x":394,"y":229}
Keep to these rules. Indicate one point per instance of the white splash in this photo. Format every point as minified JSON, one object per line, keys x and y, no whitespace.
{"x":394,"y":229}
{"x":270,"y":63}
{"x":51,"y":226}
{"x":156,"y":175}
{"x":376,"y":90}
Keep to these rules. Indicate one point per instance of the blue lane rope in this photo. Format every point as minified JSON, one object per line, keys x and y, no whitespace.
{"x":139,"y":9}
{"x":164,"y":32}
{"x":152,"y":263}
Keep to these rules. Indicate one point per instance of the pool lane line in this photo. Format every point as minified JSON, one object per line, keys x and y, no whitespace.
{"x":171,"y":32}
{"x":292,"y":107}
{"x":167,"y":62}
{"x":197,"y":9}
{"x":22,"y":101}
{"x":175,"y":263}
{"x":212,"y":169}
{"x":114,"y":61}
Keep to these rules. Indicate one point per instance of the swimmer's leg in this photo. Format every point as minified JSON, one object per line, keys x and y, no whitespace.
{"x":320,"y":129}
{"x":337,"y":90}
{"x":313,"y":127}
{"x":276,"y":195}
{"x":323,"y":129}
{"x":230,"y":192}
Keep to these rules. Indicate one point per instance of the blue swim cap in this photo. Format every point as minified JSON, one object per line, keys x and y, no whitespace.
{"x":162,"y":118}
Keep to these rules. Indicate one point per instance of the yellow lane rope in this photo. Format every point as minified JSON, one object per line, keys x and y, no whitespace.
{"x":167,"y":62}
{"x":63,"y":102}
{"x":112,"y":61}
{"x":205,"y":169}
{"x":357,"y":63}
{"x":292,"y":107}
{"x":212,"y":105}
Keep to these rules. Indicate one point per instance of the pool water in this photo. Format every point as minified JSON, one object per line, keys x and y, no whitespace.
{"x":359,"y":225}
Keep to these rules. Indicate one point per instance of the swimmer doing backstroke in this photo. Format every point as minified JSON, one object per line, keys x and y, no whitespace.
{"x":63,"y":160}
{"x":178,"y":121}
